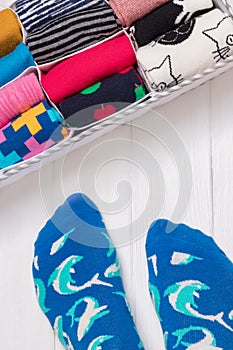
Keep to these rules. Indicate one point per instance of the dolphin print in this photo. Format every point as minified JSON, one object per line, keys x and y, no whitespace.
{"x":62,"y":336}
{"x":207,"y":343}
{"x":35,"y":263}
{"x":231,"y":315}
{"x":59,"y":244}
{"x":96,"y":343}
{"x":62,"y":281}
{"x":111,"y":247}
{"x":183,"y":258}
{"x":181,"y":297}
{"x":113,"y":270}
{"x":153,"y":260}
{"x":92,"y":312}
{"x":41,"y":294}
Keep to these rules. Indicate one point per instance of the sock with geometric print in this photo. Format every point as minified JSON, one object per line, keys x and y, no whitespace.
{"x":191,"y":284}
{"x":78,"y":281}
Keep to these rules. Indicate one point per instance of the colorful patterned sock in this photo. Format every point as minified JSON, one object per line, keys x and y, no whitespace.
{"x":31,"y":133}
{"x":103,"y":99}
{"x":190,"y":281}
{"x":78,"y":280}
{"x":172,"y":57}
{"x":167,"y":17}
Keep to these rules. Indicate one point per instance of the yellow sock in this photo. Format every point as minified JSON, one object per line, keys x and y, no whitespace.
{"x":11,"y":32}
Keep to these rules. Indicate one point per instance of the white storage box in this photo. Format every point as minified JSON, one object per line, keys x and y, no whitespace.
{"x":80,"y":137}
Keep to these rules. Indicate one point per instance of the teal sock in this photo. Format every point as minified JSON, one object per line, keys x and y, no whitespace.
{"x":191,"y":285}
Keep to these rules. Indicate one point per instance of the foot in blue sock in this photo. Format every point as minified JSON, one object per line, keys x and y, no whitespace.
{"x":78,"y":281}
{"x":191,"y":285}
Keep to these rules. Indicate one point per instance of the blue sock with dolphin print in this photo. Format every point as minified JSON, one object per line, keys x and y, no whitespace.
{"x":78,"y":281}
{"x":190,"y":282}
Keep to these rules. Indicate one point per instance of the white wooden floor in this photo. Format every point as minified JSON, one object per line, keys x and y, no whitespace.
{"x":135,"y":174}
{"x":175,"y":162}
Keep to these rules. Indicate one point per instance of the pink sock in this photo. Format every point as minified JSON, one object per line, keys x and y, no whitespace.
{"x":19,"y":96}
{"x":88,"y":68}
{"x":129,"y":11}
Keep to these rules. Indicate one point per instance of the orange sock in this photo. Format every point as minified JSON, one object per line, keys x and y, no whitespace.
{"x":11,"y":32}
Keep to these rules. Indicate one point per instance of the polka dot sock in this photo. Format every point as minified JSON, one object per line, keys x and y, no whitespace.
{"x":191,"y":283}
{"x":78,"y":281}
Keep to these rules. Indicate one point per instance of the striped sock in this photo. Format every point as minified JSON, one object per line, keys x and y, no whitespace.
{"x":33,"y":14}
{"x":72,"y":32}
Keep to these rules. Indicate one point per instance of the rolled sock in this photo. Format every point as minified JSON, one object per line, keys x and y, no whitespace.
{"x":166,"y":18}
{"x":30,"y":133}
{"x":190,"y":281}
{"x":187,"y":50}
{"x":19,"y":96}
{"x":78,"y":280}
{"x":34,"y":14}
{"x":15,"y":63}
{"x":88,"y":67}
{"x":129,"y":11}
{"x":11,"y":32}
{"x":103,"y":99}
{"x":72,"y":32}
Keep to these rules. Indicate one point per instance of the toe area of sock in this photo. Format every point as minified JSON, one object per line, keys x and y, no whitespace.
{"x":85,"y":209}
{"x":77,"y":214}
{"x":158,"y":230}
{"x":164,"y":233}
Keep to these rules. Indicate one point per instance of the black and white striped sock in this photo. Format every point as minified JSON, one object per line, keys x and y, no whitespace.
{"x":35,"y":13}
{"x":72,"y":32}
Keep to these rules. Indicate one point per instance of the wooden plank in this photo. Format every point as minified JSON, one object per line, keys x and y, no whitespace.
{"x":222,"y":164}
{"x":186,"y":121}
{"x":22,"y":215}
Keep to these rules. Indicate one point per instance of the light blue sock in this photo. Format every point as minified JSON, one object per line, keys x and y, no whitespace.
{"x":191,"y":285}
{"x":78,"y":281}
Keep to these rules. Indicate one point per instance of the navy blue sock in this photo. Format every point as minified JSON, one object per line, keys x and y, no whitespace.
{"x":78,"y":281}
{"x":191,"y":282}
{"x":103,"y":99}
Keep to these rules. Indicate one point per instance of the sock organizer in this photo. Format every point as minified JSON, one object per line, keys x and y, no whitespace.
{"x":120,"y":66}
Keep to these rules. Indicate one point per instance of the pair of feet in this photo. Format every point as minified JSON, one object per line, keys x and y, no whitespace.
{"x":79,"y":287}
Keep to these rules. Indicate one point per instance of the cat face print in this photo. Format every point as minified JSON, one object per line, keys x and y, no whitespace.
{"x":189,"y":7}
{"x":178,"y":35}
{"x":223,"y":44}
{"x":165,"y":70}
